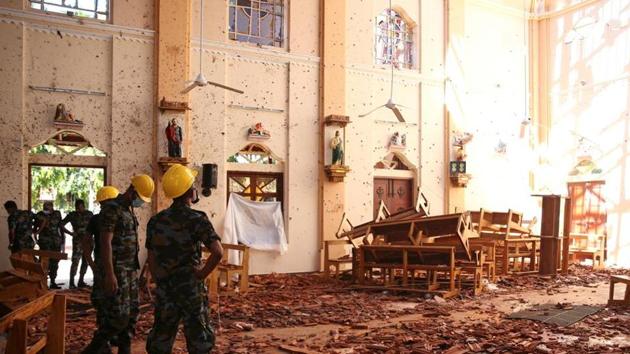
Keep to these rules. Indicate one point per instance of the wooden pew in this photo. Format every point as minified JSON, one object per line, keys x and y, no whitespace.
{"x":432,"y":261}
{"x":16,"y":324}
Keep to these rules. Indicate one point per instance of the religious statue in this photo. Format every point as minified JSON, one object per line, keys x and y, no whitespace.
{"x":174,"y":137}
{"x":398,"y":141}
{"x":258,"y":132}
{"x":61,"y":115}
{"x":336,"y":144}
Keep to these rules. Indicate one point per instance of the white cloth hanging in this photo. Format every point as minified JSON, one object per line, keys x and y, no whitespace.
{"x":258,"y":225}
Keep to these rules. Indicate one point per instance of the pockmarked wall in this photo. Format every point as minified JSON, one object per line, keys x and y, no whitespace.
{"x":48,"y":50}
{"x":419,"y":88}
{"x":589,"y":98}
{"x":284,"y":84}
{"x":486,"y":95}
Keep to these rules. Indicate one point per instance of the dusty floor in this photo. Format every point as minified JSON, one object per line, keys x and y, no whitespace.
{"x":320,"y":315}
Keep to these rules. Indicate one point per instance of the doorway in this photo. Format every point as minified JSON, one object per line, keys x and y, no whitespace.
{"x":63,"y":185}
{"x":257,"y":186}
{"x":396,"y":193}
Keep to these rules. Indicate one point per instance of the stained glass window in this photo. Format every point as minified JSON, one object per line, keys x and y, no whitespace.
{"x":393,"y":40}
{"x":257,"y":21}
{"x":98,"y":9}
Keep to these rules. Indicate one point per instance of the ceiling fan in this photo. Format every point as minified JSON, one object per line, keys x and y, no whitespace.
{"x":390,"y":104}
{"x":200,"y":80}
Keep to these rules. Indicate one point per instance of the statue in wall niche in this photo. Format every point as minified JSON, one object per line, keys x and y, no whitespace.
{"x":258,"y":132}
{"x":174,"y":137}
{"x":336,"y":144}
{"x":398,"y":141}
{"x":61,"y":115}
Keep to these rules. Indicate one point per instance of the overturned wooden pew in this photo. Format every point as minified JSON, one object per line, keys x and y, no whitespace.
{"x":15,"y":324}
{"x":28,"y":278}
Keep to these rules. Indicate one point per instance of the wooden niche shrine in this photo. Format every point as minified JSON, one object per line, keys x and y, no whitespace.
{"x":335,"y":140}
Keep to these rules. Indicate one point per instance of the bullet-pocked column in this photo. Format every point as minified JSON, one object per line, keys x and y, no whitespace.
{"x":173,"y":69}
{"x":333,"y":102}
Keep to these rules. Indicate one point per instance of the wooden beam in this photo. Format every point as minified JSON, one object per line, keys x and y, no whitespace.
{"x":57,"y":326}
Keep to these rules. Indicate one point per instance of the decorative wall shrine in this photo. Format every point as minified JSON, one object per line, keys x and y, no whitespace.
{"x":65,"y":119}
{"x":258,"y":132}
{"x":335,"y":134}
{"x":457,"y":167}
{"x":398,"y":141}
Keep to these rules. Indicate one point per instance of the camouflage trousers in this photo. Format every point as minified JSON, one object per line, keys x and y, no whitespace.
{"x":77,"y":256}
{"x":116,"y":315}
{"x":49,"y":244}
{"x":181,"y":298}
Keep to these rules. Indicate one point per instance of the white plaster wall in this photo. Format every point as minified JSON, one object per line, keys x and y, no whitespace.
{"x":51,"y":51}
{"x":590,"y":98}
{"x":420,"y":89}
{"x":485,"y":95}
{"x":276,"y":78}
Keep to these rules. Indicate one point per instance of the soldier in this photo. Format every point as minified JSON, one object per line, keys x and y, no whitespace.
{"x":91,"y":242}
{"x":174,"y":241}
{"x":118,"y":264}
{"x":20,"y":227}
{"x":50,"y":237}
{"x":79,"y":220}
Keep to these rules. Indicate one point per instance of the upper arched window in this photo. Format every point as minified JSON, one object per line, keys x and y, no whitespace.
{"x":394,"y":40}
{"x":257,"y":21}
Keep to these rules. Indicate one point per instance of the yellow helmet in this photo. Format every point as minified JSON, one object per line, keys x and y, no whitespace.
{"x":177,"y":180}
{"x":144,"y":186}
{"x":106,"y":192}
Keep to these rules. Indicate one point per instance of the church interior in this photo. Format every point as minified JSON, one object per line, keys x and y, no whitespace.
{"x":352,"y":176}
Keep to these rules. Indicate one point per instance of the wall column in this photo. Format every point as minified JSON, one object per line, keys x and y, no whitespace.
{"x":333,"y":102}
{"x":173,"y":69}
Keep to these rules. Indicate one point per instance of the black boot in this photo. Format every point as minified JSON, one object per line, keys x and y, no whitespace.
{"x":53,"y":285}
{"x":81,"y":283}
{"x":72,"y":286}
{"x":98,"y":346}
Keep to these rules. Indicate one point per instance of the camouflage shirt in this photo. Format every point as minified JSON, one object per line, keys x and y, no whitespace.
{"x":51,"y":231}
{"x":119,"y":219}
{"x":174,"y":235}
{"x":79,"y":222}
{"x":21,"y":222}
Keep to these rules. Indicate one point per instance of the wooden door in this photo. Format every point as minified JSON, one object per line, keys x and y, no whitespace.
{"x":396,"y":193}
{"x":588,"y":207}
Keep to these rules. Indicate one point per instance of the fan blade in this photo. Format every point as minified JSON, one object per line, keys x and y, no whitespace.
{"x":190,"y":87}
{"x":225,"y":87}
{"x":398,"y":114}
{"x":401,"y":106}
{"x":370,"y":112}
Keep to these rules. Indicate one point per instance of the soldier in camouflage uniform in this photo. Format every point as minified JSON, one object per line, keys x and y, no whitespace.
{"x":174,"y":241}
{"x":79,"y":220}
{"x":50,"y":237}
{"x":20,"y":227}
{"x":118,"y":264}
{"x":91,"y":242}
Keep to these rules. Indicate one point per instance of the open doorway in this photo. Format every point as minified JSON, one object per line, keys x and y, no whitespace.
{"x":63,"y":185}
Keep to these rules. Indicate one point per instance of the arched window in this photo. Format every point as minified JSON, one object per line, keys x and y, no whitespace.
{"x":257,"y":21}
{"x":393,"y":40}
{"x":254,"y":154}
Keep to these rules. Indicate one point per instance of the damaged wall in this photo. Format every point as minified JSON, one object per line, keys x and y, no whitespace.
{"x":486,"y":96}
{"x":589,"y":97}
{"x":55,"y":51}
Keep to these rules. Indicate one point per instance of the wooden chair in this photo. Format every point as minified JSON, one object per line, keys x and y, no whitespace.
{"x":622,"y":279}
{"x":335,"y":262}
{"x":488,"y":262}
{"x":16,"y":324}
{"x":588,"y":246}
{"x":230,"y":271}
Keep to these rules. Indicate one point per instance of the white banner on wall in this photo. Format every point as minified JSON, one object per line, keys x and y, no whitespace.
{"x":258,"y":225}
